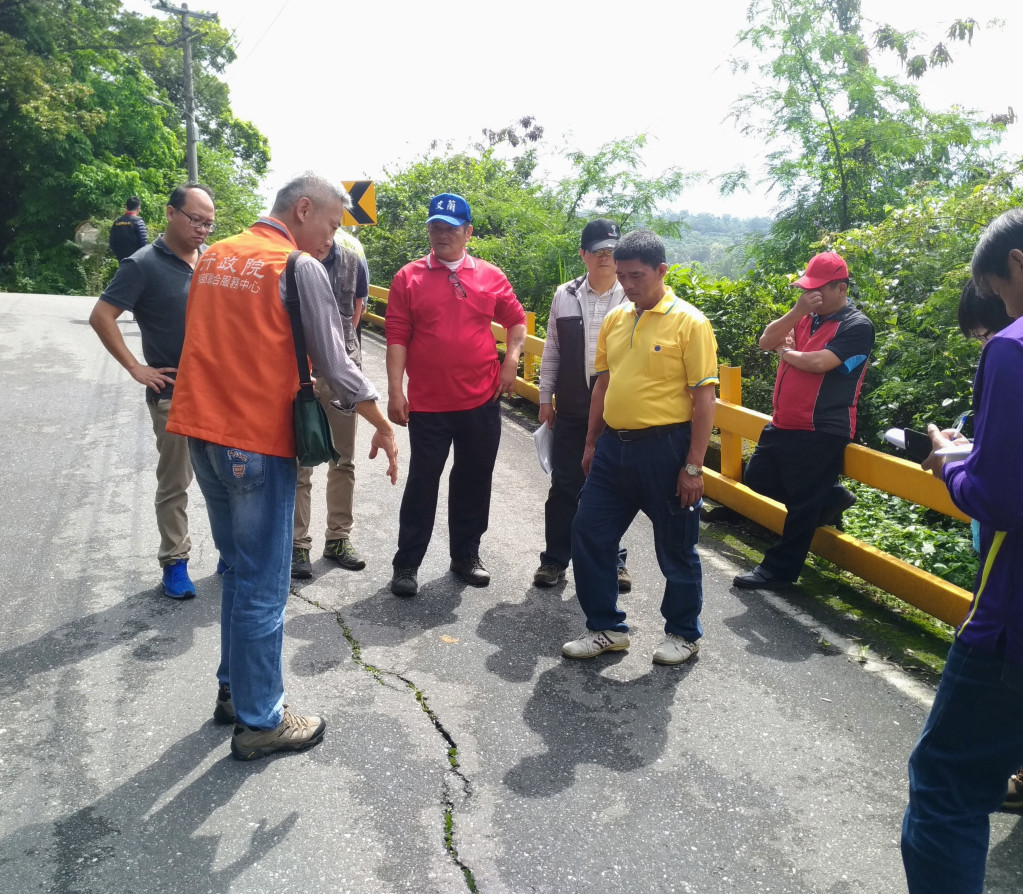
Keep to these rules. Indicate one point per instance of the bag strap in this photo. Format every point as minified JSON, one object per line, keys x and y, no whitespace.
{"x":291,"y":302}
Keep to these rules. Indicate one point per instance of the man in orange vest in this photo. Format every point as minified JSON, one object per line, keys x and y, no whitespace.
{"x":233,"y":399}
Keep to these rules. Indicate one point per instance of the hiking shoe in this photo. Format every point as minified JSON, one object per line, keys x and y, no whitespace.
{"x":471,"y":571}
{"x":624,"y":580}
{"x":404,"y":582}
{"x":301,"y":567}
{"x":1014,"y":797}
{"x":176,"y":582}
{"x":224,"y":710}
{"x":548,"y":575}
{"x":294,"y":733}
{"x":593,"y":642}
{"x":221,"y":565}
{"x":675,"y":649}
{"x":342,"y":552}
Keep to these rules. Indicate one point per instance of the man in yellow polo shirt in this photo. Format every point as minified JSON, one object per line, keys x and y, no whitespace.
{"x":650,"y":421}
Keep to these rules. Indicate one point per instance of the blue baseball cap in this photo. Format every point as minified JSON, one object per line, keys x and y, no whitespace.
{"x":450,"y":208}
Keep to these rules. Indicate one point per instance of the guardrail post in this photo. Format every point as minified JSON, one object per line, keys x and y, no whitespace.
{"x":731,"y":443}
{"x":528,"y":359}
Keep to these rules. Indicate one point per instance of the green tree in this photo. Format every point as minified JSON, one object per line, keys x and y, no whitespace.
{"x":846,"y":143}
{"x":78,"y":133}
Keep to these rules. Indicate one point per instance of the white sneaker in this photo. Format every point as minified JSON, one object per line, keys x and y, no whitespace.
{"x":675,"y":649}
{"x":593,"y":642}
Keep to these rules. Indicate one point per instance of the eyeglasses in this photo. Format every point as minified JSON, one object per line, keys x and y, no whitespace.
{"x":602,"y":253}
{"x":459,"y":288}
{"x":983,"y":335}
{"x":208,"y":225}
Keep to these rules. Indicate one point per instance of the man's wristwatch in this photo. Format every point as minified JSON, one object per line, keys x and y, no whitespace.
{"x":694,"y":471}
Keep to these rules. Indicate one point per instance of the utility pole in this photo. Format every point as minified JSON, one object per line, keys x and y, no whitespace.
{"x":192,"y":159}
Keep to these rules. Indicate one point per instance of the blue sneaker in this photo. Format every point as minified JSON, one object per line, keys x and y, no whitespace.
{"x":176,"y":582}
{"x":221,"y":565}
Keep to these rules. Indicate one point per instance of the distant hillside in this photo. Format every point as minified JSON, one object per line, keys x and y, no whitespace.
{"x":713,"y":241}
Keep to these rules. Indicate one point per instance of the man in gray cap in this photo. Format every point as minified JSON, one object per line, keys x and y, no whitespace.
{"x":567,"y":374}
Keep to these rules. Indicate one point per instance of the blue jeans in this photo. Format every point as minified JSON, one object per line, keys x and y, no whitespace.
{"x":970,"y":745}
{"x":627,"y":477}
{"x":250,"y":499}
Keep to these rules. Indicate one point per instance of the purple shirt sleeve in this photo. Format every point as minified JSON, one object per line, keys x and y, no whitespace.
{"x":988,"y":485}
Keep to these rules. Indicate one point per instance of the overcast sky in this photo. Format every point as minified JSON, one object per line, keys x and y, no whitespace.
{"x":349,"y":89}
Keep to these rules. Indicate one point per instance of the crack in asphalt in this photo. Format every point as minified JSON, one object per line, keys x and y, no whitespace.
{"x":457,"y":786}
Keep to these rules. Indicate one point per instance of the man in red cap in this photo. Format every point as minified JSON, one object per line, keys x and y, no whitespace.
{"x":822,"y":344}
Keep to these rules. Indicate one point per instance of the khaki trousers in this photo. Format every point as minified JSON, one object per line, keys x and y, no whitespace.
{"x":340,"y":477}
{"x":173,"y":475}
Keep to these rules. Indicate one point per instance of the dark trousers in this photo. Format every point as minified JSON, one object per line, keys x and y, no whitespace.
{"x":969,"y":747}
{"x":799,"y":469}
{"x":476,"y":435}
{"x":627,"y":478}
{"x":567,"y":479}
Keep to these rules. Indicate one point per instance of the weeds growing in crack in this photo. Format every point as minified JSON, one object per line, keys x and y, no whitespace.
{"x":380,"y":675}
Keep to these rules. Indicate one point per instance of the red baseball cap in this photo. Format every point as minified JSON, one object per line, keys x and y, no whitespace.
{"x":822,"y":269}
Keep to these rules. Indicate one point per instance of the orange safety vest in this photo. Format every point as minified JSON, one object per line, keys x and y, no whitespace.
{"x":237,"y":377}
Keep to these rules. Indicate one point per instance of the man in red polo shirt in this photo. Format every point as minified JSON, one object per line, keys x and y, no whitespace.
{"x":439,"y":311}
{"x":823,"y":344}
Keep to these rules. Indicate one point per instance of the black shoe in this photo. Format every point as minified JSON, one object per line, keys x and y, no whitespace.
{"x":758,"y":579}
{"x":548,"y":575}
{"x":624,"y":580}
{"x":224,"y":710}
{"x":471,"y":571}
{"x":832,"y":515}
{"x":404,"y":582}
{"x":301,"y":567}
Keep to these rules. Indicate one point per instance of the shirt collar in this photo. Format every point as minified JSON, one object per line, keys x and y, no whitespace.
{"x":468,"y":261}
{"x":662,"y":306}
{"x":274,"y":224}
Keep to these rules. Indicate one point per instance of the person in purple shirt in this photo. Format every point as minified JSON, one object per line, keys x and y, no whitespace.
{"x":973,"y":738}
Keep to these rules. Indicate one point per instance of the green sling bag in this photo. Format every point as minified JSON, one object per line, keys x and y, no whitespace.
{"x":313,"y":443}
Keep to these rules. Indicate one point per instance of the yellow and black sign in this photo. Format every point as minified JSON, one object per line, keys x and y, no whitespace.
{"x":364,"y":204}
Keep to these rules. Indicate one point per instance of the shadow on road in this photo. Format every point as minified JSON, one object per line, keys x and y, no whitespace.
{"x":586,"y":717}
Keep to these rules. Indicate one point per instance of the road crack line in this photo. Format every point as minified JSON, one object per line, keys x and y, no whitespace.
{"x":457,"y":786}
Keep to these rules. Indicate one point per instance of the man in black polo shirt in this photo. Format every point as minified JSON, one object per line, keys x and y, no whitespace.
{"x":822,"y":344}
{"x":128,"y":232}
{"x":153,"y":284}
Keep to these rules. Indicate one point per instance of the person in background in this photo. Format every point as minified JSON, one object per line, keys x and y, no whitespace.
{"x":567,"y":375}
{"x":153,"y":284}
{"x":128,"y":232}
{"x":349,"y":279}
{"x":439,"y":312}
{"x":823,"y":345}
{"x":973,"y":737}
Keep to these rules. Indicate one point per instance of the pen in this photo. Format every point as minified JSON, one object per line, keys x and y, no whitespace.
{"x":961,"y":421}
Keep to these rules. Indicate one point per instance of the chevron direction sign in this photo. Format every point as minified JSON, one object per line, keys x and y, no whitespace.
{"x":364,"y":204}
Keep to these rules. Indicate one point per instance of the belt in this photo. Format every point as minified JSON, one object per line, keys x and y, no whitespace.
{"x":654,"y":431}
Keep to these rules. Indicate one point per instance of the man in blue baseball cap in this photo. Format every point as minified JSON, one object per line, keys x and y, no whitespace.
{"x":439,"y":311}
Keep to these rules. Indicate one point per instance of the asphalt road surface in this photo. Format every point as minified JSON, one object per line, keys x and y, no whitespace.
{"x":463,"y":753}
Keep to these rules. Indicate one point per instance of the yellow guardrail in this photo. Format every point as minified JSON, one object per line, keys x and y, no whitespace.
{"x":736,"y":423}
{"x":928,"y":592}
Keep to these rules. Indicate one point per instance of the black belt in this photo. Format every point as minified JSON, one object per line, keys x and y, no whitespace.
{"x":654,"y":431}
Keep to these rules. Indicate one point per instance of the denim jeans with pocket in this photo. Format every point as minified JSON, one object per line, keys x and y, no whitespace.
{"x":250,"y":499}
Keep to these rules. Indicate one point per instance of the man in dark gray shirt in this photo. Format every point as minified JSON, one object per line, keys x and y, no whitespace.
{"x":153,"y":284}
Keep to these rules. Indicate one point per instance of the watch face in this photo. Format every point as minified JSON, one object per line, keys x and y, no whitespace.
{"x":693,"y":470}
